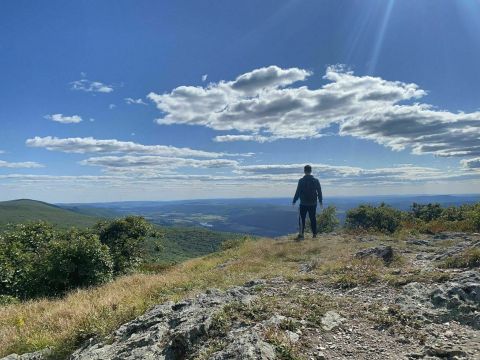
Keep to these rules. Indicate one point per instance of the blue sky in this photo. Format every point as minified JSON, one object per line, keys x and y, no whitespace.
{"x":157,"y":100}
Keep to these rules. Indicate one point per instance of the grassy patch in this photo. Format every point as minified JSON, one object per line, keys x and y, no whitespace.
{"x":417,"y":275}
{"x":283,"y":346}
{"x":389,"y":316}
{"x":353,"y":272}
{"x":469,"y":258}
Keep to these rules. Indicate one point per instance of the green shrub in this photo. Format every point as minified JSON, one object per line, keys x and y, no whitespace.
{"x":75,"y":259}
{"x":383,"y":218}
{"x":20,"y":249}
{"x":473,"y":216}
{"x":327,"y":220}
{"x":431,"y":218}
{"x":125,"y":238}
{"x":426,"y":212}
{"x":7,"y":300}
{"x":37,"y":260}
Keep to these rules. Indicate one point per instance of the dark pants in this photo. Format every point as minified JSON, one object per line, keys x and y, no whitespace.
{"x":311,"y":209}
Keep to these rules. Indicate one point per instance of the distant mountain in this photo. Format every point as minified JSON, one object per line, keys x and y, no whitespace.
{"x":25,"y":210}
{"x":256,"y":216}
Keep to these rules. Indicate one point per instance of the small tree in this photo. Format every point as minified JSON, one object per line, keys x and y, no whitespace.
{"x":327,"y":220}
{"x":124,"y":237}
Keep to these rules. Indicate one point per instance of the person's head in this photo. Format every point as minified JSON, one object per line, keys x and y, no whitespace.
{"x":307,"y":169}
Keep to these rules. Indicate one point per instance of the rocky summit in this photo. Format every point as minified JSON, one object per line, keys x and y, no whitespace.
{"x":409,"y":299}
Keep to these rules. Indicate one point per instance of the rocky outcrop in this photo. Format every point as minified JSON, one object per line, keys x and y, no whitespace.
{"x":458,"y":299}
{"x":178,"y":331}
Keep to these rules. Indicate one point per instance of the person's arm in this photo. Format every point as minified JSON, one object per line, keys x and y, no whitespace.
{"x":297,"y":193}
{"x":319,"y":193}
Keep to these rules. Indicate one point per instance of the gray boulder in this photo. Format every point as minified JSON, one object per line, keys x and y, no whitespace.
{"x":383,"y":252}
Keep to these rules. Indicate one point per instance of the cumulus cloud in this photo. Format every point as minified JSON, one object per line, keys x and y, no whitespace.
{"x":264,"y":106}
{"x":131,"y":101}
{"x":91,"y":86}
{"x":18,"y":165}
{"x":92,"y":145}
{"x":74,"y":119}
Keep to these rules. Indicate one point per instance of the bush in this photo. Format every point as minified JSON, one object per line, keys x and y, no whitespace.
{"x":8,"y":300}
{"x":37,"y":260}
{"x":76,"y":259}
{"x":431,"y":218}
{"x":426,"y":212}
{"x":383,"y":218}
{"x":125,"y":238}
{"x":20,"y":249}
{"x":327,"y":220}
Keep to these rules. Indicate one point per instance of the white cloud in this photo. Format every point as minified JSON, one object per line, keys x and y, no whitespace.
{"x":74,"y":119}
{"x":204,"y":77}
{"x":91,"y":86}
{"x":131,"y":101}
{"x":18,"y":165}
{"x":112,"y":106}
{"x":230,"y":138}
{"x":471,"y":163}
{"x":341,"y":175}
{"x":142,"y":163}
{"x":263,"y":106}
{"x":92,"y":145}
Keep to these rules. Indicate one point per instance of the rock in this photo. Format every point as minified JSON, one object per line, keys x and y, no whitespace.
{"x":38,"y":355}
{"x":275,"y":320}
{"x":442,"y":352}
{"x":457,"y":299}
{"x":293,"y":337}
{"x":178,"y":331}
{"x":331,"y":320}
{"x":308,"y":267}
{"x":248,"y":346}
{"x":382,"y":251}
{"x":419,"y":242}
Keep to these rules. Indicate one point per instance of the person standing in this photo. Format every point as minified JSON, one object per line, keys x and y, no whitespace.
{"x":308,"y":191}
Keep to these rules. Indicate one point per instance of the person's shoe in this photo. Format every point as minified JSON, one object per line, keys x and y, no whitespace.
{"x":314,"y":236}
{"x":299,"y":237}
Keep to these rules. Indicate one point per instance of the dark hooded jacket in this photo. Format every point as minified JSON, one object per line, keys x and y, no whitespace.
{"x":308,"y":190}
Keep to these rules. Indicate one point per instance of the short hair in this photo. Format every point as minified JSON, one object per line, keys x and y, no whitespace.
{"x":307,"y":169}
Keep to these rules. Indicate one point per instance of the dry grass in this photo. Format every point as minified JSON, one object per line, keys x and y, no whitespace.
{"x":62,"y":324}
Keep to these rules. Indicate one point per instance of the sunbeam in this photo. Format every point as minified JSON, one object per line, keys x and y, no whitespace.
{"x":381,"y":35}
